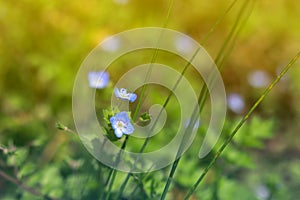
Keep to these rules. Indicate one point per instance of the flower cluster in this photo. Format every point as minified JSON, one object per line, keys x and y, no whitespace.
{"x":121,"y":121}
{"x":118,"y":122}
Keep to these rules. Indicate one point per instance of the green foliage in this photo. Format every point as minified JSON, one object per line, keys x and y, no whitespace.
{"x":187,"y":171}
{"x":42,"y":45}
{"x":255,"y":132}
{"x":108,"y":130}
{"x":231,"y":189}
{"x":27,"y":169}
{"x":78,"y":186}
{"x":18,"y":157}
{"x":253,"y":135}
{"x":239,"y":158}
{"x":60,"y":126}
{"x":145,"y":117}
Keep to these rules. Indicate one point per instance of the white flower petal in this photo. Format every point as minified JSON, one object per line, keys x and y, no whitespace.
{"x":118,"y":132}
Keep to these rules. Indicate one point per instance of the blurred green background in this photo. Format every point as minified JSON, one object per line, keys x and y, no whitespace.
{"x":43,"y":43}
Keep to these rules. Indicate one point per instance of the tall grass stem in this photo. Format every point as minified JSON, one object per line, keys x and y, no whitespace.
{"x":240,"y":124}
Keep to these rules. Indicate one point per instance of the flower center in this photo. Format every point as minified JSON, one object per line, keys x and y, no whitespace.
{"x":120,"y":124}
{"x":124,"y":95}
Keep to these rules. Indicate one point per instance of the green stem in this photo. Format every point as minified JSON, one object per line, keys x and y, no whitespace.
{"x":226,"y":50}
{"x":168,"y":98}
{"x":135,"y":115}
{"x":151,"y":63}
{"x":203,"y":41}
{"x":240,"y":124}
{"x":170,"y":178}
{"x":204,"y":91}
{"x":113,"y":172}
{"x":155,"y":122}
{"x":20,"y":184}
{"x":231,"y":33}
{"x":220,"y":19}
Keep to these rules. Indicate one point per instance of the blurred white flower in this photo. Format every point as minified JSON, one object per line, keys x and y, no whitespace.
{"x":122,"y":2}
{"x":111,"y":44}
{"x":259,"y":78}
{"x":262,"y":192}
{"x":184,"y":44}
{"x":235,"y":102}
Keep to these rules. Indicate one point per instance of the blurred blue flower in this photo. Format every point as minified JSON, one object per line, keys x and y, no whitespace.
{"x":123,"y":94}
{"x":236,"y":102}
{"x":98,"y":79}
{"x":121,"y":124}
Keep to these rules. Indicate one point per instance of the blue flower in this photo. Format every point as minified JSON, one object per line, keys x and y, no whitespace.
{"x":123,"y":94}
{"x":121,"y":124}
{"x":98,"y":79}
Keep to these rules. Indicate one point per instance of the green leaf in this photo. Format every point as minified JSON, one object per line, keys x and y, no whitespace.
{"x":18,"y":157}
{"x":188,"y":169}
{"x":51,"y":181}
{"x":230,"y":189}
{"x":153,"y":185}
{"x":108,"y":113}
{"x":79,"y":185}
{"x":254,"y":133}
{"x":239,"y":158}
{"x":26,"y":169}
{"x":60,"y":126}
{"x":41,"y":140}
{"x":28,"y":196}
{"x":111,"y":135}
{"x":145,"y":117}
